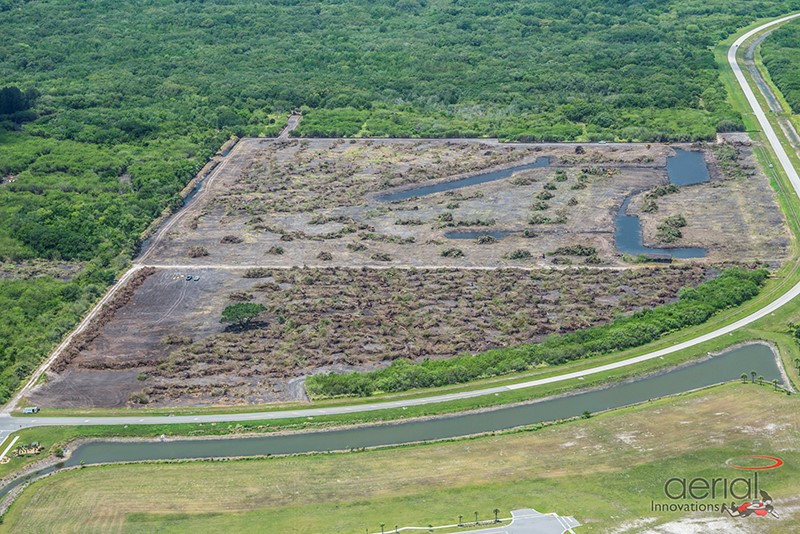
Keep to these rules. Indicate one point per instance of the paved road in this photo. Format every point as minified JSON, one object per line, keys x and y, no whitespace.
{"x":8,"y":424}
{"x":529,"y":521}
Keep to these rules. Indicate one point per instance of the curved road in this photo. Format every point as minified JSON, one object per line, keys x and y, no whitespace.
{"x":9,"y":424}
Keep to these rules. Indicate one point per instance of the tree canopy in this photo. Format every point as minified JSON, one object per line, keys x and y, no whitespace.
{"x":241,"y":313}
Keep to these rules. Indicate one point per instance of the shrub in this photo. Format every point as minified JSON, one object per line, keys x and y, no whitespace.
{"x":355,"y":247}
{"x":519,"y":254}
{"x":325,"y":256}
{"x":197,"y":252}
{"x":669,"y":230}
{"x":453,"y":253}
{"x":231,"y":239}
{"x":381,"y":256}
{"x":257,"y":272}
{"x":139,"y":398}
{"x":574,"y":250}
{"x":486,"y":240}
{"x":276,"y":250}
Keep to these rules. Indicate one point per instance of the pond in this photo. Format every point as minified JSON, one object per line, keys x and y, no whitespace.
{"x":686,"y":167}
{"x":475,"y":234}
{"x":628,"y":238}
{"x":723,"y":368}
{"x":463,"y":182}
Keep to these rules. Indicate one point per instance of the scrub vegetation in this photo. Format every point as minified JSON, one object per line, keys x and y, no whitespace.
{"x":694,"y":307}
{"x":781,"y":54}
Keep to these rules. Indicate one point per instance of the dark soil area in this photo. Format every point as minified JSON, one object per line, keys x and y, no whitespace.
{"x":166,"y":346}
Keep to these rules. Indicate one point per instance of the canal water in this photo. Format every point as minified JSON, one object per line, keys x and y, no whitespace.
{"x":723,"y":368}
{"x":463,"y":182}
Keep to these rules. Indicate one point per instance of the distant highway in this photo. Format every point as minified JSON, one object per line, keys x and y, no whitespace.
{"x":9,"y":424}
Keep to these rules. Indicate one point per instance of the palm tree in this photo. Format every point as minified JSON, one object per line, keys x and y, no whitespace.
{"x":760,"y":380}
{"x":774,"y":384}
{"x":744,"y":378}
{"x":459,"y":520}
{"x":382,"y":525}
{"x":797,"y":363}
{"x":476,"y":518}
{"x":496,"y":513}
{"x":753,"y":376}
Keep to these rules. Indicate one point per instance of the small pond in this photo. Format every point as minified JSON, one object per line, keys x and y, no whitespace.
{"x":475,"y":234}
{"x":463,"y":182}
{"x":686,"y":167}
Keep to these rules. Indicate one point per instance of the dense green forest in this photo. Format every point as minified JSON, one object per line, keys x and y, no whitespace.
{"x":781,"y":55}
{"x":694,"y":306}
{"x":107,"y":108}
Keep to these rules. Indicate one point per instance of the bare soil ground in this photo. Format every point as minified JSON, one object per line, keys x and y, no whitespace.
{"x":351,"y":282}
{"x":733,"y":216}
{"x":314,"y":202}
{"x":166,"y":346}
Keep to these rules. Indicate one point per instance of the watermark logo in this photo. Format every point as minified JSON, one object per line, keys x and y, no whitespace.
{"x":739,"y":496}
{"x":761,"y":507}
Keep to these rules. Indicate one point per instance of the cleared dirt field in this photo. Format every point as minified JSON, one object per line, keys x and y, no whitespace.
{"x":352,"y":282}
{"x":316,"y":202}
{"x":166,"y":345}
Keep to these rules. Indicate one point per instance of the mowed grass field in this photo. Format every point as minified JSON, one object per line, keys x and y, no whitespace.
{"x":605,"y":471}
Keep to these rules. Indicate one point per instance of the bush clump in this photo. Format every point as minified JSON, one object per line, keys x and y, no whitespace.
{"x":231,"y":240}
{"x":519,"y":254}
{"x":669,"y":230}
{"x":257,"y":272}
{"x":197,"y":252}
{"x":453,"y":253}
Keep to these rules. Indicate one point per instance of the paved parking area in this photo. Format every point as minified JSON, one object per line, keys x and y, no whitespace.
{"x":529,"y":521}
